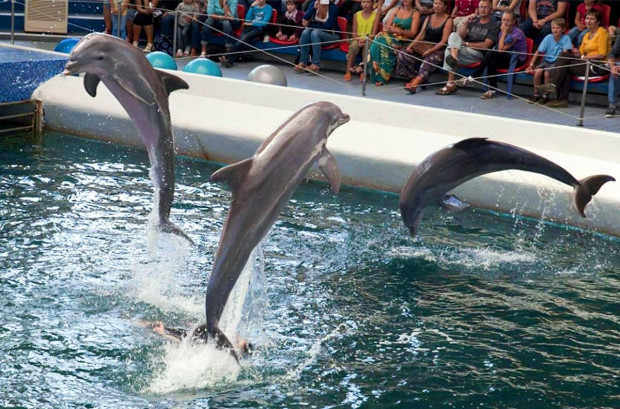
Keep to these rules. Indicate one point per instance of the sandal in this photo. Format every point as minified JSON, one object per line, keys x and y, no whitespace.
{"x":447,"y":90}
{"x":488,"y":95}
{"x":299,"y":68}
{"x":359,"y":69}
{"x":313,"y":68}
{"x":347,"y":76}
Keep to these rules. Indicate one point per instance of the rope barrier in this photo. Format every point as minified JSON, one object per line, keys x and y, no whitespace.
{"x":350,"y":37}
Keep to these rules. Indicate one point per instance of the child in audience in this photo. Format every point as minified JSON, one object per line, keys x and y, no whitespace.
{"x":289,"y":24}
{"x":576,"y":33}
{"x":552,"y":46}
{"x":365,"y":23}
{"x":187,"y":11}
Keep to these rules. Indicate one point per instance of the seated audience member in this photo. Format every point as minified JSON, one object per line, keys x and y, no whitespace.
{"x":348,"y":8}
{"x":385,"y":7}
{"x":321,"y":21}
{"x":289,"y":23}
{"x":540,"y":13}
{"x":222,"y":15}
{"x":462,"y":9}
{"x":500,"y":6}
{"x":187,"y":30}
{"x":144,"y":19}
{"x":613,"y":59}
{"x":551,"y":47}
{"x":425,"y":7}
{"x":256,"y":21}
{"x":423,"y":56}
{"x":365,"y":23}
{"x":403,"y":24}
{"x":511,"y":41}
{"x":115,"y":11}
{"x":107,"y":17}
{"x":576,"y":33}
{"x":475,"y":34}
{"x":594,"y":47}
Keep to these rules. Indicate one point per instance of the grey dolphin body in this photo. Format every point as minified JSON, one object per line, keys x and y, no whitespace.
{"x":451,"y":166}
{"x":261,"y":186}
{"x":143,"y":92}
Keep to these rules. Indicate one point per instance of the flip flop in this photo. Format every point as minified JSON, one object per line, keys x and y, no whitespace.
{"x":447,"y":90}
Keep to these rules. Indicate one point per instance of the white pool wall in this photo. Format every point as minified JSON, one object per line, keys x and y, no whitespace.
{"x":225,"y":120}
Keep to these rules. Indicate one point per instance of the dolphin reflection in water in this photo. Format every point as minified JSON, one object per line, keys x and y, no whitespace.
{"x":453,"y":165}
{"x":143,"y":92}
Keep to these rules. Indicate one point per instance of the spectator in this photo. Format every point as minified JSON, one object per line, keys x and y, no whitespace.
{"x":320,"y":21}
{"x":289,"y":24}
{"x":576,"y":33}
{"x":131,"y":13}
{"x":551,"y":47}
{"x":116,"y":9}
{"x":256,"y":21}
{"x":222,"y":15}
{"x":144,"y":19}
{"x":613,"y":59}
{"x":187,"y":31}
{"x":365,"y":23}
{"x":425,"y":7}
{"x":595,"y":47}
{"x":511,"y":41}
{"x":107,"y":17}
{"x":462,"y":9}
{"x":500,"y":6}
{"x":540,"y":13}
{"x":403,"y":24}
{"x":477,"y":33}
{"x":425,"y":53}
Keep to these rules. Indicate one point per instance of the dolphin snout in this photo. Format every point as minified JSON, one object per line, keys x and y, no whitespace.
{"x":343,"y":119}
{"x":71,"y":67}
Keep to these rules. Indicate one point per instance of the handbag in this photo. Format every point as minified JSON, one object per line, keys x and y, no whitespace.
{"x":421,"y":47}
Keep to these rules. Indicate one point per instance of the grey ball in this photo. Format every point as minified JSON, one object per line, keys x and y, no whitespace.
{"x":268,"y":74}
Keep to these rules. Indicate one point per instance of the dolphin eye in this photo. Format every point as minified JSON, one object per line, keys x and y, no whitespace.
{"x":101,"y":57}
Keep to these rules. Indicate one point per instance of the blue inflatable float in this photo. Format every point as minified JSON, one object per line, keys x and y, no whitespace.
{"x":66,"y":45}
{"x":161,"y":60}
{"x":203,"y":66}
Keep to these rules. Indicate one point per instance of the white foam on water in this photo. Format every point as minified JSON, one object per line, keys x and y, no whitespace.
{"x":187,"y":367}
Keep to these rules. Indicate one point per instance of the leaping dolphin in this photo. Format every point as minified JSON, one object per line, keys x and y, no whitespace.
{"x":261,"y":186}
{"x":455,"y":164}
{"x":143,"y":92}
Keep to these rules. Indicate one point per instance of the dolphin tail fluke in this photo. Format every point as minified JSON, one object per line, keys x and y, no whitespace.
{"x":222,"y":342}
{"x":587,"y":188}
{"x":168,"y":227}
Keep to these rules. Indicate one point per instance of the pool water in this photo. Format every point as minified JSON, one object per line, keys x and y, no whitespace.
{"x":343,"y":308}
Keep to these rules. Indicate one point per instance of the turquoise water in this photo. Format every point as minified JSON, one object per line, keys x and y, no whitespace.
{"x":345,"y":310}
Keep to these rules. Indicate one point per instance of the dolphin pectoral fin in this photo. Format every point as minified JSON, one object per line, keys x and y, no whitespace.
{"x":470,"y":143}
{"x":222,"y":342}
{"x":329,"y":167}
{"x":171,"y":82}
{"x":168,"y":227}
{"x":129,"y":88}
{"x":453,"y":204}
{"x":90,"y":84}
{"x":233,"y":175}
{"x":587,"y":188}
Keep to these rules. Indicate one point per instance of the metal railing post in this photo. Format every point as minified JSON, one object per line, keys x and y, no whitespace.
{"x":13,"y":21}
{"x":364,"y":64}
{"x":118,"y":20}
{"x":583,"y":93}
{"x":174,"y":33}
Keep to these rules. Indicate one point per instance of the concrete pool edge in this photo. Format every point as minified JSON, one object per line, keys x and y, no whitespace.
{"x":225,"y":120}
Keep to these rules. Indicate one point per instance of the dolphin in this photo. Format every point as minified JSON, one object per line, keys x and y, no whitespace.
{"x":261,"y":186}
{"x":143,"y":92}
{"x":453,"y":165}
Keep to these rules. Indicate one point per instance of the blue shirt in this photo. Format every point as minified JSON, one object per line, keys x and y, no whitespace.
{"x":552,"y":49}
{"x":213,"y":7}
{"x":259,"y":16}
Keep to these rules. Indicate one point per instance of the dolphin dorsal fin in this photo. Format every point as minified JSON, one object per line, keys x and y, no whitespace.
{"x":327,"y":165}
{"x":171,"y":82}
{"x":470,"y":143}
{"x":233,"y":175}
{"x":90,"y":84}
